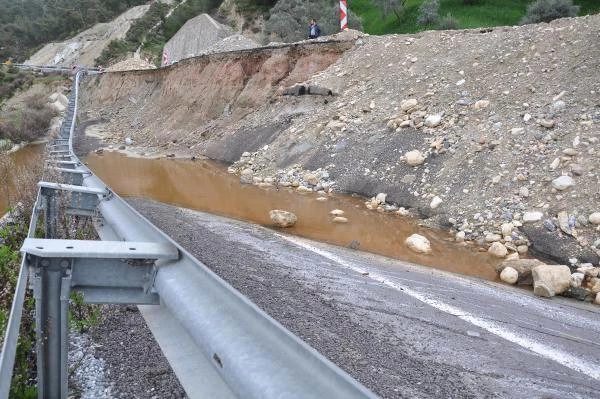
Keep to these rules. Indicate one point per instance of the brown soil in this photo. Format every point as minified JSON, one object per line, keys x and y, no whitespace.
{"x":223,"y":105}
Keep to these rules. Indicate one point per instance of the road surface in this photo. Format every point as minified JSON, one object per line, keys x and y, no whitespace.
{"x":400,"y":329}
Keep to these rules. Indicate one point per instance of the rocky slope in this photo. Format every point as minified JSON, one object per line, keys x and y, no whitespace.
{"x":85,"y":47}
{"x":491,"y":133}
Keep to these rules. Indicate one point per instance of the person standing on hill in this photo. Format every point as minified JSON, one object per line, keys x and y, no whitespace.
{"x":313,"y":29}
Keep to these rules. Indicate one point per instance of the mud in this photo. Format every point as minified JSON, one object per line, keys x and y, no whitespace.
{"x":11,"y":166}
{"x":206,"y":186}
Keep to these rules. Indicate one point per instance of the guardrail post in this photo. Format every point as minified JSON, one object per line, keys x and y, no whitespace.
{"x":51,"y":290}
{"x":52,"y":280}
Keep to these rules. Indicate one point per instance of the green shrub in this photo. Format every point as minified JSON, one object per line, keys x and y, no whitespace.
{"x":548,"y":10}
{"x":429,"y":12}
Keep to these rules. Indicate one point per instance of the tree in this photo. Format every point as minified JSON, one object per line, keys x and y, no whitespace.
{"x":392,"y":6}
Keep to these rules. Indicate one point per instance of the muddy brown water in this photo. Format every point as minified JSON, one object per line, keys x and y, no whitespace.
{"x":11,"y":166}
{"x":206,"y":186}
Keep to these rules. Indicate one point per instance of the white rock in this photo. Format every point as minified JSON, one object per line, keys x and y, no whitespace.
{"x":418,"y":243}
{"x":594,"y":218}
{"x":128,"y":141}
{"x":526,"y":117}
{"x":460,"y":236}
{"x":555,"y":164}
{"x":435,"y":202}
{"x":509,"y":275}
{"x":481,"y":104}
{"x":340,"y":219}
{"x":524,"y":192}
{"x":380,"y":198}
{"x":409,"y":105}
{"x":550,"y":280}
{"x":414,"y":158}
{"x":303,"y":189}
{"x":517,"y":130}
{"x":507,"y":229}
{"x":498,"y":250}
{"x":563,"y":182}
{"x":460,"y":82}
{"x":337,"y":212}
{"x":532,"y":216}
{"x":493,"y":237}
{"x":597,"y":299}
{"x":433,"y":120}
{"x":576,"y":280}
{"x":283,"y":218}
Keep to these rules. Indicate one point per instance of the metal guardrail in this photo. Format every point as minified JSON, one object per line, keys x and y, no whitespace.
{"x":218,"y":342}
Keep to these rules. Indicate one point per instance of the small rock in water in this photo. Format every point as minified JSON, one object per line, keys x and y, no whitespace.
{"x":283,"y":218}
{"x":337,"y":212}
{"x":419,"y":244}
{"x":340,"y":219}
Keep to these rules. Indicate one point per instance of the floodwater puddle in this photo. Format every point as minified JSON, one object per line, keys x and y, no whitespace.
{"x":15,"y":167}
{"x":206,"y":186}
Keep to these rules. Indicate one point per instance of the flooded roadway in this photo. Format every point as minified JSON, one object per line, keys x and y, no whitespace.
{"x":206,"y":186}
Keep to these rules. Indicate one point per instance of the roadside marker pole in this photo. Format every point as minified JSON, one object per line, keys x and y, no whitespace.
{"x":343,"y":15}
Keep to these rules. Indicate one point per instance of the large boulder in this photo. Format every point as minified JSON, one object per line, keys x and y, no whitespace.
{"x":550,"y":280}
{"x":418,"y":243}
{"x":523,"y":268}
{"x":283,"y":218}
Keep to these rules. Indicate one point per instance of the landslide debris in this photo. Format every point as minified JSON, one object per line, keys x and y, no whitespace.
{"x":470,"y":130}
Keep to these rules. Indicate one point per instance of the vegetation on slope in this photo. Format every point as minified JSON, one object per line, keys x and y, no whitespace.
{"x":468,"y":13}
{"x":25,"y":25}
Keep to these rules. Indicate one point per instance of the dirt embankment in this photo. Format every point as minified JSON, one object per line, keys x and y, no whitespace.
{"x":492,"y":134}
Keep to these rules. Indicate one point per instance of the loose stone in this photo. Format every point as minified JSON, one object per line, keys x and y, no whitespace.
{"x":594,"y":218}
{"x":337,"y":212}
{"x":340,"y":219}
{"x":418,"y":243}
{"x":509,"y":275}
{"x":550,"y":280}
{"x":498,"y":250}
{"x":563,"y":182}
{"x":414,"y":158}
{"x":283,"y":218}
{"x":533,"y":216}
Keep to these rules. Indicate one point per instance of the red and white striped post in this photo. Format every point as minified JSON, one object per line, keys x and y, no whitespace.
{"x":343,"y":15}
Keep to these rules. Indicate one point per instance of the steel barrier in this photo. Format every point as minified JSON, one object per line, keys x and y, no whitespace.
{"x":218,"y":342}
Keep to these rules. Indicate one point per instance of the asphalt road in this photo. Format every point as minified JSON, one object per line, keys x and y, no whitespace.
{"x":400,"y":329}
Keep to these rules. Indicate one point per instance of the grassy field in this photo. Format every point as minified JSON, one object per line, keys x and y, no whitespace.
{"x":483,"y":13}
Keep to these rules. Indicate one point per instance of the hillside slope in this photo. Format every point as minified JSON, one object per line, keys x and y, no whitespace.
{"x":496,"y":115}
{"x":85,"y":47}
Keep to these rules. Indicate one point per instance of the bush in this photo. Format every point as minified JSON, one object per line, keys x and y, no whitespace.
{"x":29,"y":123}
{"x":429,"y":12}
{"x":548,"y":10}
{"x":448,"y":23}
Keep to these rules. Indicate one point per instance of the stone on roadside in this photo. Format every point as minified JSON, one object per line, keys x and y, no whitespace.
{"x":563,"y":223}
{"x":435,"y":202}
{"x":340,"y":219}
{"x":283,"y":218}
{"x":414,"y":158}
{"x":597,"y":299}
{"x":563,"y":182}
{"x":380,"y":198}
{"x":509,"y":275}
{"x":594,"y":218}
{"x":418,"y":243}
{"x":550,"y":280}
{"x":517,"y":130}
{"x":409,"y":105}
{"x":337,"y":212}
{"x":433,"y":120}
{"x":523,"y":267}
{"x":576,"y":280}
{"x":481,"y":104}
{"x":498,"y":250}
{"x":460,"y":236}
{"x":311,"y":179}
{"x":507,"y":229}
{"x":532,"y":216}
{"x":547,"y":123}
{"x":303,"y":189}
